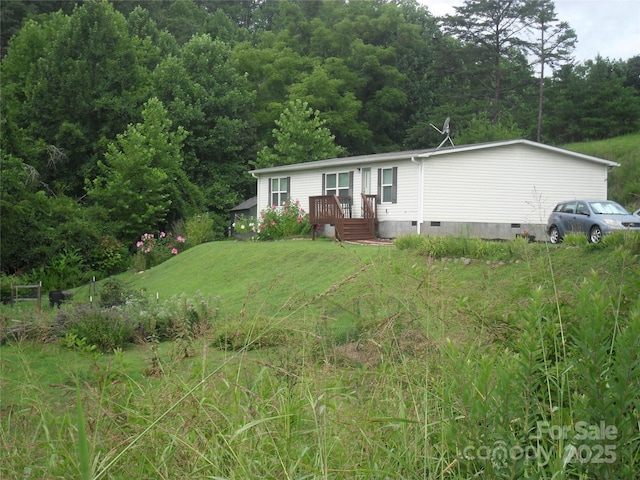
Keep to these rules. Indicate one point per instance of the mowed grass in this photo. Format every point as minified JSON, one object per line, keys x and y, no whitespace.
{"x":264,"y":273}
{"x":353,"y":362}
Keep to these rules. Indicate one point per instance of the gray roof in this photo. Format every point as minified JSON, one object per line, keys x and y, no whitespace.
{"x":247,"y":204}
{"x":424,"y":153}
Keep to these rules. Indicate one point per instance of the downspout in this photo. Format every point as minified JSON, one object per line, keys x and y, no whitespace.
{"x":420,"y":193}
{"x":257,"y":191}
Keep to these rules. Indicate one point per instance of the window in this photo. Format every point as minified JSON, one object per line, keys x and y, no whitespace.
{"x":279,"y":190}
{"x":387,"y":185}
{"x":339,"y":184}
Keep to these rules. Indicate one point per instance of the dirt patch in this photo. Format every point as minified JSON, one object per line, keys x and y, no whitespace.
{"x":385,"y":345}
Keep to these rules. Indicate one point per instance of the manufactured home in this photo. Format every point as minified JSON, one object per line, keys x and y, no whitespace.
{"x":492,"y":190}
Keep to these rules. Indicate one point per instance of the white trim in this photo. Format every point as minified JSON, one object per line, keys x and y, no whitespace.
{"x":422,"y":154}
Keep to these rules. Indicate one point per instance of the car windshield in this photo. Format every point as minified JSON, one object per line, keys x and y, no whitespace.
{"x":608,"y":208}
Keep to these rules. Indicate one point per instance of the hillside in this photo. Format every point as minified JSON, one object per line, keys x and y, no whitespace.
{"x":328,"y":360}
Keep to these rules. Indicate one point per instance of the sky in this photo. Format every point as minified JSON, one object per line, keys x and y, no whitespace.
{"x":609,"y":28}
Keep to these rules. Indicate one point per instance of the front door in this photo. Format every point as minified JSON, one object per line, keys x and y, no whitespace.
{"x":366,"y":181}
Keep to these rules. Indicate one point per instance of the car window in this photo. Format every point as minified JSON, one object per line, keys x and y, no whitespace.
{"x":582,"y":208}
{"x":610,"y":208}
{"x":569,"y":207}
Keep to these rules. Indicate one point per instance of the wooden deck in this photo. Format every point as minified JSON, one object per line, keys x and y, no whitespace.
{"x":338,"y":211}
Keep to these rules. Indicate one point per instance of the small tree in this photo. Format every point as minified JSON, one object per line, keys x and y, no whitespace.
{"x":300,"y":137}
{"x":141,"y":174}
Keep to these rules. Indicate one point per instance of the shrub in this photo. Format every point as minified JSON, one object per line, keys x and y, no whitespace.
{"x":197,"y":229}
{"x":245,"y":224}
{"x":113,"y":293}
{"x":109,"y":256}
{"x":575,"y":239}
{"x":155,"y":249}
{"x":410,"y":242}
{"x":107,"y":329}
{"x":281,"y":222}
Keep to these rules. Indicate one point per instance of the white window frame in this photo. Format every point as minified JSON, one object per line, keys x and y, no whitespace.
{"x":276,"y":191}
{"x":338,"y":190}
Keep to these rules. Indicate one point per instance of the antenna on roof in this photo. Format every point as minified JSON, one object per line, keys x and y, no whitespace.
{"x":446,"y":131}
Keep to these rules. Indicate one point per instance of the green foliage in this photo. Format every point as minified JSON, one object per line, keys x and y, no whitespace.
{"x":142,"y":184}
{"x":107,"y":329}
{"x":372,"y":75}
{"x":481,"y":129}
{"x":113,"y":292}
{"x":245,"y":225}
{"x":197,"y":229}
{"x":575,"y":240}
{"x":286,"y":221}
{"x":447,"y":371}
{"x":300,"y":137}
{"x":157,"y":248}
{"x":65,"y":270}
{"x":108,"y":256}
{"x":458,"y":247}
{"x":579,"y":97}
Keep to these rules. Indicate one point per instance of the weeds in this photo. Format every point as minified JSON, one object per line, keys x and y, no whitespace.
{"x":393,"y":372}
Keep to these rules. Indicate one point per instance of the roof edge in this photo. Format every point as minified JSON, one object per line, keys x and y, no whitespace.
{"x":424,"y":154}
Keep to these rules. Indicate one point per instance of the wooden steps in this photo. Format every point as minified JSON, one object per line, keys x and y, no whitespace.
{"x":356,"y":229}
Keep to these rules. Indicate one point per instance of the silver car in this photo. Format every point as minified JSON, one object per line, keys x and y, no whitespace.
{"x":593,"y":218}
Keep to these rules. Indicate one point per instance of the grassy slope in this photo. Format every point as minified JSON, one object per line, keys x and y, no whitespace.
{"x":419,"y":319}
{"x":267,"y":272}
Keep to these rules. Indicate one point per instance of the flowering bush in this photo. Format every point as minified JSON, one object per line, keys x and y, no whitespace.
{"x":153,"y":250}
{"x":285,"y":221}
{"x":245,"y":224}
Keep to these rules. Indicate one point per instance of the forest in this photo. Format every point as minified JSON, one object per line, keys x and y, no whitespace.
{"x":128,"y":117}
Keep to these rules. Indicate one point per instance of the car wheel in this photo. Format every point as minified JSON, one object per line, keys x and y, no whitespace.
{"x":554,"y":235}
{"x":595,"y":235}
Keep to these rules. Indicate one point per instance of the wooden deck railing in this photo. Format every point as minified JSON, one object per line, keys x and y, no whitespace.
{"x":326,"y":209}
{"x":370,"y":212}
{"x":331,"y":209}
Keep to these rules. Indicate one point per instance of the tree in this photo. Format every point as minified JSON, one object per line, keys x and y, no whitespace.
{"x":82,"y":85}
{"x":554,"y":43}
{"x":300,"y":137}
{"x":142,"y":186}
{"x":492,"y":31}
{"x":591,"y":102}
{"x":328,"y":88}
{"x":205,"y":93}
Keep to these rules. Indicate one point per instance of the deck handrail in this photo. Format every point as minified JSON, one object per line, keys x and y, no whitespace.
{"x":370,"y":212}
{"x":326,"y":209}
{"x":329,"y":209}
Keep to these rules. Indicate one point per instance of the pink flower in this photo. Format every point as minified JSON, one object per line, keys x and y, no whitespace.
{"x":174,"y":251}
{"x":139,"y":244}
{"x":181,"y":239}
{"x":162,"y":234}
{"x":272,"y":223}
{"x":299,"y":219}
{"x":297,"y":202}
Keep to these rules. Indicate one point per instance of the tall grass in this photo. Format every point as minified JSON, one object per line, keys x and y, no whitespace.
{"x":407,"y":367}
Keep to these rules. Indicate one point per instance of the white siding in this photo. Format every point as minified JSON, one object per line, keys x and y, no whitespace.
{"x":406,"y":208}
{"x":308,"y":183}
{"x":514,"y":184}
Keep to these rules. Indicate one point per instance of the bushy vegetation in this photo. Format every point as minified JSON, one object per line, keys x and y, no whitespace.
{"x":400,"y":367}
{"x":275,"y":223}
{"x":90,"y":166}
